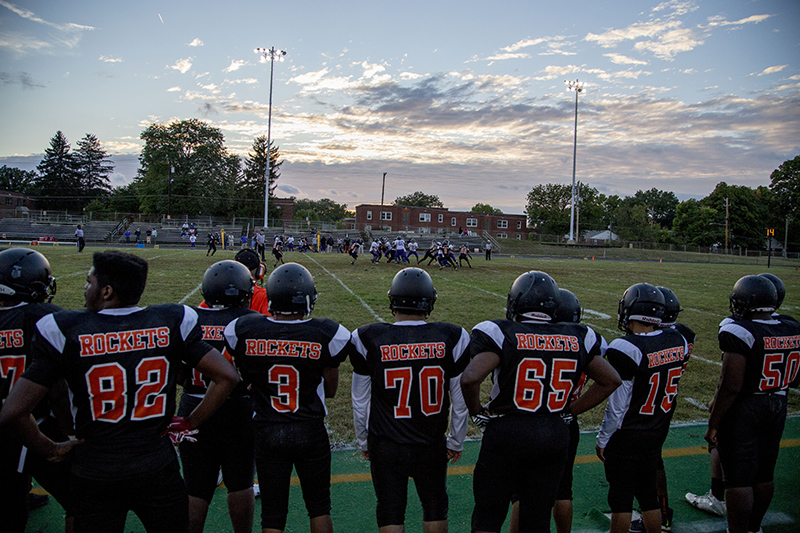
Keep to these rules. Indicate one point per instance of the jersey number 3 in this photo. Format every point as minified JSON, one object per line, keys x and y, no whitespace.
{"x":108,"y":390}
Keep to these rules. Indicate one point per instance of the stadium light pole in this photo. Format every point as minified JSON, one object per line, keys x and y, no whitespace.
{"x":577,"y":87}
{"x":270,"y":54}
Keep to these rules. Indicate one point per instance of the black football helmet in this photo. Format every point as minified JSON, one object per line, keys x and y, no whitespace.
{"x":412,"y":290}
{"x":780,"y":288}
{"x":227,"y":284}
{"x":291,"y":290}
{"x":569,"y":308}
{"x":752,"y":294}
{"x":25,"y":274}
{"x":673,"y":307}
{"x":534,"y":295}
{"x":641,"y":302}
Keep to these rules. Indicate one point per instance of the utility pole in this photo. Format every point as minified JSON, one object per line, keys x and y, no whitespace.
{"x":383,"y":188}
{"x":577,"y":87}
{"x":727,"y":223}
{"x":272,"y":54}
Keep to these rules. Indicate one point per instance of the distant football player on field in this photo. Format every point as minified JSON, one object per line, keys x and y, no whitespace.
{"x":759,"y":362}
{"x":650,"y":361}
{"x":225,"y":440}
{"x":536,"y":364}
{"x":291,"y":363}
{"x":406,"y":383}
{"x":121,"y":363}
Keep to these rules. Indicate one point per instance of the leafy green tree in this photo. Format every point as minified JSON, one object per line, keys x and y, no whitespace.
{"x":192,"y":154}
{"x":785,"y":183}
{"x":485,"y":208}
{"x":58,"y":183}
{"x":251,"y":186}
{"x":633,"y":221}
{"x":94,"y":167}
{"x":698,"y":224}
{"x":325,"y":209}
{"x":14,"y":179}
{"x":660,"y":205}
{"x":419,"y":199}
{"x":548,"y":208}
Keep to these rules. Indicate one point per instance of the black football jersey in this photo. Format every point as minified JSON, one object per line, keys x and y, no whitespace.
{"x":121,"y":367}
{"x":283,"y":361}
{"x":540,"y":363}
{"x":772,"y":350}
{"x":16,"y":331}
{"x":212,"y":325}
{"x":411,"y":370}
{"x":650,"y":366}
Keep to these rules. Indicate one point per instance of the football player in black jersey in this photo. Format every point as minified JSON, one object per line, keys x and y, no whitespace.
{"x":406,"y":382}
{"x":760,"y":361}
{"x":651,"y":362}
{"x":536,"y":365}
{"x":26,"y":288}
{"x":291,"y":363}
{"x":225,"y":440}
{"x":121,"y":363}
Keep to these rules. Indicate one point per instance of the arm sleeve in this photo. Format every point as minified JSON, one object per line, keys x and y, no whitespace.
{"x":459,"y":415}
{"x":361,"y":392}
{"x":616,"y":408}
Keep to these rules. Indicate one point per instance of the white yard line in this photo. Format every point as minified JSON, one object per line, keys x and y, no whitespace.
{"x":191,"y":293}
{"x":356,"y":296}
{"x":697,"y":403}
{"x":84,"y":272}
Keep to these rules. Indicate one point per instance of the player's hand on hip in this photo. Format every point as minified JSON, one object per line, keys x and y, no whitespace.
{"x":453,"y":456}
{"x":63,"y":449}
{"x":601,"y":453}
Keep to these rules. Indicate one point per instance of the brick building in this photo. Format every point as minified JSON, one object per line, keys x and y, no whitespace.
{"x":14,"y":204}
{"x":439,"y":220}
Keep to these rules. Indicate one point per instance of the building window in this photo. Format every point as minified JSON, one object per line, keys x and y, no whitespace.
{"x":472,"y":222}
{"x":9,"y":200}
{"x":369,"y":215}
{"x":386,"y":215}
{"x":424,"y":217}
{"x":519,"y":224}
{"x":503,"y":224}
{"x":441,"y":218}
{"x":453,"y":221}
{"x":368,"y":227}
{"x":502,"y":235}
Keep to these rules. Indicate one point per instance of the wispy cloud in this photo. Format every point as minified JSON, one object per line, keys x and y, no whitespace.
{"x":21,"y":78}
{"x":109,"y":59}
{"x":772,"y":70}
{"x":182,"y":65}
{"x":235,"y":65}
{"x":196,"y":42}
{"x":67,"y":35}
{"x":620,"y":59}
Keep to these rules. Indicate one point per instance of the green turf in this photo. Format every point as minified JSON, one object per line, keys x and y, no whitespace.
{"x":356,"y":294}
{"x":687,"y":465}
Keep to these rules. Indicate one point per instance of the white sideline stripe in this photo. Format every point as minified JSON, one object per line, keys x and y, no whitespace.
{"x":357,"y":297}
{"x":151,"y":258}
{"x":718,"y":363}
{"x":191,"y":293}
{"x":597,"y":314}
{"x":697,"y":403}
{"x":70,"y":275}
{"x":692,"y":309}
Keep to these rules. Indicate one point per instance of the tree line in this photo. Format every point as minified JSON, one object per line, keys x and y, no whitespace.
{"x":658,"y":216}
{"x":185,"y":168}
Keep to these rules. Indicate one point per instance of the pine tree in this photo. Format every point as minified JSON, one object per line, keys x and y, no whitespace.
{"x":94,"y":167}
{"x":58,"y":184}
{"x":255,"y":168}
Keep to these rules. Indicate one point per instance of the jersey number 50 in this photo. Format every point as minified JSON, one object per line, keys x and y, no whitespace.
{"x":108,"y":390}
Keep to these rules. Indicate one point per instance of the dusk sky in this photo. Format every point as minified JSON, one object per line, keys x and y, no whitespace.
{"x":464,"y":100}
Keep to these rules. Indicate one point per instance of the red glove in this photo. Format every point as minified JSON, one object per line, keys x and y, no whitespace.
{"x":180,"y":430}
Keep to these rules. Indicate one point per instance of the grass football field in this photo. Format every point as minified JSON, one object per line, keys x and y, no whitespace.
{"x":354,"y":295}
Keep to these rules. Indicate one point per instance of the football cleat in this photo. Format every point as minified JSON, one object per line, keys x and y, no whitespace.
{"x":708,"y":503}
